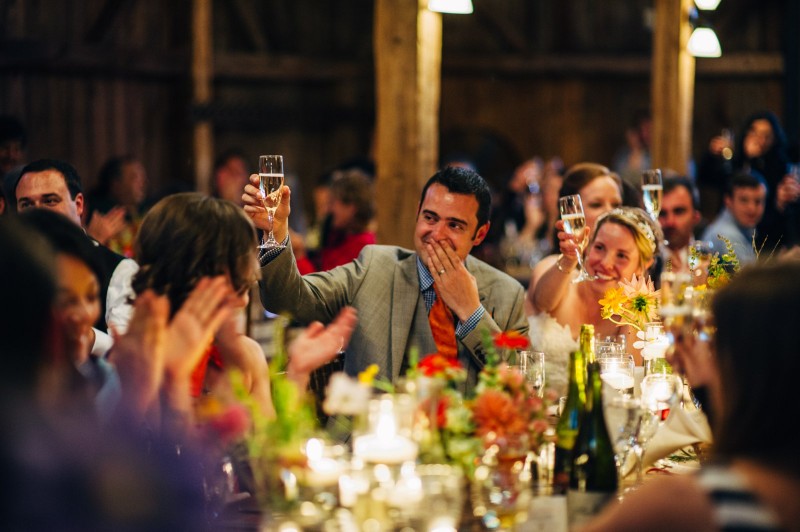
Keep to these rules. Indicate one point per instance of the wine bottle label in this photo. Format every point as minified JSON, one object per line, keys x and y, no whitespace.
{"x":583,"y":505}
{"x":546,"y":514}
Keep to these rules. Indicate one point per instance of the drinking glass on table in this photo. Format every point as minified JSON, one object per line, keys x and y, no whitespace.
{"x":624,"y":415}
{"x":652,"y":190}
{"x":617,"y":372}
{"x":660,"y":394}
{"x":571,"y":209}
{"x":531,"y":365}
{"x":270,"y":174}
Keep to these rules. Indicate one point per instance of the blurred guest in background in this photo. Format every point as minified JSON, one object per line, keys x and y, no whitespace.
{"x":744,"y":208}
{"x":761,"y":150}
{"x":352,"y":211}
{"x":117,"y":204}
{"x":679,"y":218}
{"x":230,"y":175}
{"x":13,"y":139}
{"x":634,"y":157}
{"x":512,"y":243}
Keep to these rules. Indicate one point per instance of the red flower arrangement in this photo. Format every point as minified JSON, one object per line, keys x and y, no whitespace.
{"x":437,"y":365}
{"x":510,"y":340}
{"x":502,"y":406}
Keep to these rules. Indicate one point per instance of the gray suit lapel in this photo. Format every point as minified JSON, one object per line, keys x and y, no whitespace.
{"x":405,"y":294}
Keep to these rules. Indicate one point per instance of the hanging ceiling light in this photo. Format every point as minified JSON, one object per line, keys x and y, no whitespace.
{"x":707,"y":5}
{"x":704,"y":43}
{"x":451,"y":6}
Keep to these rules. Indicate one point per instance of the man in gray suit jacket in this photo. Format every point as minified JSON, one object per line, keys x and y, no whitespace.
{"x":392,"y":287}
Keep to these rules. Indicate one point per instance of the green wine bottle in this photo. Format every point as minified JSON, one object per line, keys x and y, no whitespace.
{"x":567,"y":427}
{"x":593,"y":477}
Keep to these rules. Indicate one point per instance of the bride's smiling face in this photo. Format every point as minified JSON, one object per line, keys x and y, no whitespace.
{"x":613,"y":255}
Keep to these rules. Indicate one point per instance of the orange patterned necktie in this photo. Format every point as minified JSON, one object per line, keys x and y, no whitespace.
{"x":442,"y":327}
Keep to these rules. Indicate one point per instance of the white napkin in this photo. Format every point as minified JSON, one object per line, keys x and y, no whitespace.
{"x":682,"y":428}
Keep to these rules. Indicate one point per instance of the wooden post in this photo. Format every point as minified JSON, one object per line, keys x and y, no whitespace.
{"x":202,"y":77}
{"x":408,"y":52}
{"x":672,"y":86}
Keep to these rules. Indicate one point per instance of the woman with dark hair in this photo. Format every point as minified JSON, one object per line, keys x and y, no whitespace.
{"x":351,"y":211}
{"x":77,"y":305}
{"x":761,"y":149}
{"x":117,"y":204}
{"x":753,"y":481}
{"x":64,"y":467}
{"x":188,"y":236}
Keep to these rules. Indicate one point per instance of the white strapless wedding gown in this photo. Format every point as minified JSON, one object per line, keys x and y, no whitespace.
{"x":556,"y":341}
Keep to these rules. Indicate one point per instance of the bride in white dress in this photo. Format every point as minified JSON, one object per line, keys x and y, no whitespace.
{"x":623,"y":243}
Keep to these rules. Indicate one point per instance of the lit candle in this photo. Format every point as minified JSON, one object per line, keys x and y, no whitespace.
{"x":618,"y":380}
{"x":380,"y":449}
{"x":321,"y":471}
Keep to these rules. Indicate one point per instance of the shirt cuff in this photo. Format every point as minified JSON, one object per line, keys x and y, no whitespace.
{"x":465,"y":327}
{"x":268,"y":255}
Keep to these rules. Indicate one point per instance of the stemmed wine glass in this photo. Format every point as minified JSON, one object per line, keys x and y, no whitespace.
{"x":624,"y":417}
{"x":270,"y":173}
{"x":660,"y":393}
{"x":652,"y":190}
{"x":571,"y":209}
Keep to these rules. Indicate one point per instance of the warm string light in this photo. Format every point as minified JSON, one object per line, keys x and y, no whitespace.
{"x":703,"y":42}
{"x":463,"y":7}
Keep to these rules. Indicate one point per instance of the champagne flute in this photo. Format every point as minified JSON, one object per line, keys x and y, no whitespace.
{"x":571,"y":209}
{"x":270,"y":173}
{"x":652,"y":190}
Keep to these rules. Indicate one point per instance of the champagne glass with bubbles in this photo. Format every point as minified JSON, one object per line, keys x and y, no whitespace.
{"x":652,"y":190}
{"x":571,"y":209}
{"x":270,"y":174}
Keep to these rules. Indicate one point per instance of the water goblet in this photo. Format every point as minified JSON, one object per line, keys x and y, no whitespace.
{"x":571,"y":210}
{"x":660,"y":393}
{"x":270,"y":174}
{"x":624,"y":414}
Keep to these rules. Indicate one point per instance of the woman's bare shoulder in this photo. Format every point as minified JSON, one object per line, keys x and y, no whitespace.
{"x":669,"y":503}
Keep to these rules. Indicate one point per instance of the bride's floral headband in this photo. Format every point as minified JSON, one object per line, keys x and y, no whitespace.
{"x":636,"y":219}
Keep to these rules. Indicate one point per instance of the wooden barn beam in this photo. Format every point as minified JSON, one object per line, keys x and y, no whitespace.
{"x":108,"y":20}
{"x":38,"y":56}
{"x":202,"y":79}
{"x":408,"y":47}
{"x":245,"y":13}
{"x":503,"y":30}
{"x":672,"y":86}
